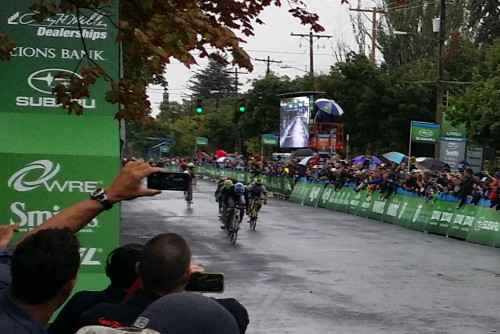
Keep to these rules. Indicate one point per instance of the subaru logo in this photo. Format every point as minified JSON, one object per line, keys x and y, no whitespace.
{"x":44,"y":81}
{"x":425,"y":133}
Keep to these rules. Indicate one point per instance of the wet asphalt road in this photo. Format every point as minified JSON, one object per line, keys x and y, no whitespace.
{"x":311,"y":270}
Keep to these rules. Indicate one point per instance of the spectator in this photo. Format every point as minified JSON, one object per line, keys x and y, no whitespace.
{"x":466,"y":187}
{"x":38,"y":275}
{"x":120,"y":269}
{"x":164,"y":267}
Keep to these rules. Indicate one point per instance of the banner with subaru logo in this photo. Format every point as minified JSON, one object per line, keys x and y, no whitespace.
{"x":51,"y":160}
{"x":424,"y":132}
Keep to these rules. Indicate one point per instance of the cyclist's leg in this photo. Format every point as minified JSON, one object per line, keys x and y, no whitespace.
{"x":259,"y":204}
{"x":242,"y":205}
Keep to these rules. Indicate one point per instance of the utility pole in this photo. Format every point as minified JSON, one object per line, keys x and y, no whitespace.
{"x":311,"y":48}
{"x":440,"y":83}
{"x":374,"y":11}
{"x":269,"y":61}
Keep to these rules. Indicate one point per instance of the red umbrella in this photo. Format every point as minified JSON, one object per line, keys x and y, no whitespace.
{"x":221,"y":153}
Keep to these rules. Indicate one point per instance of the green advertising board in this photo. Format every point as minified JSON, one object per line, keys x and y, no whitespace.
{"x":50,"y":160}
{"x":270,"y":140}
{"x":201,"y":141}
{"x":450,"y":131}
{"x":486,"y":228}
{"x":425,"y":132}
{"x":314,"y":194}
{"x":442,"y":217}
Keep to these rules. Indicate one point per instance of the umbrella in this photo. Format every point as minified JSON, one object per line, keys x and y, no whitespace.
{"x":329,"y":106}
{"x":420,"y":159}
{"x":306,"y":160}
{"x":434,"y":164}
{"x":396,"y":157}
{"x":363,"y":158}
{"x":221,"y":153}
{"x":221,"y":159}
{"x":302,"y":153}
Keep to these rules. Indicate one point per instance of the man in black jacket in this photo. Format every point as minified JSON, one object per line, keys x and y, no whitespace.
{"x":466,"y":187}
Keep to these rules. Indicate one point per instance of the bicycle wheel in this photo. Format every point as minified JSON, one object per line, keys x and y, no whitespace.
{"x":253,"y":217}
{"x":234,"y":229}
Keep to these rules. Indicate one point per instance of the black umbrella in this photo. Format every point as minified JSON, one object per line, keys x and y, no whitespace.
{"x":434,"y":164}
{"x":302,"y":153}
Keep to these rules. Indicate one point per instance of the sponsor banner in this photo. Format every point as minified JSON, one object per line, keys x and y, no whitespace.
{"x":287,"y":185}
{"x":425,"y":132}
{"x":422,"y":215}
{"x":270,"y":140}
{"x":462,"y":222}
{"x":451,"y":131}
{"x":201,"y":141}
{"x":314,"y":194}
{"x":486,"y":228}
{"x":442,"y":217}
{"x":34,"y":188}
{"x":164,"y":149}
{"x":392,"y":208}
{"x":328,"y":192}
{"x":299,"y":192}
{"x":410,"y":207}
{"x":50,"y":53}
{"x":377,"y":207}
{"x":452,"y":152}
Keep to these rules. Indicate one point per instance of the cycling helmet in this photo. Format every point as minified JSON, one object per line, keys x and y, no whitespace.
{"x":190,"y":165}
{"x":258,"y":180}
{"x":228,"y":183}
{"x":239,"y":188}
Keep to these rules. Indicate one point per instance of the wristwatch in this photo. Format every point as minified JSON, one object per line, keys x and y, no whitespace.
{"x":100,"y":196}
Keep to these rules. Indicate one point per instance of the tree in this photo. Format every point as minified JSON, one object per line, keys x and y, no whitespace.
{"x":478,"y":107}
{"x":483,"y":20}
{"x":415,"y":20}
{"x":212,"y":81}
{"x":154,"y":32}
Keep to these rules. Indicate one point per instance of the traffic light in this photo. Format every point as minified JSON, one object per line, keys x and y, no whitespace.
{"x":199,"y":107}
{"x":241,"y":107}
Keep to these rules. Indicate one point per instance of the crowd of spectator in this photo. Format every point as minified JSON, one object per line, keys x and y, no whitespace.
{"x":462,"y":186}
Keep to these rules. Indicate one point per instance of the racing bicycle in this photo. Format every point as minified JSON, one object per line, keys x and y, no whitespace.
{"x":188,"y":196}
{"x":253,"y":214}
{"x":232,"y":223}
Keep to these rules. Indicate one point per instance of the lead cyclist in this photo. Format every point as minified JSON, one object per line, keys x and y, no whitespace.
{"x":255,"y":191}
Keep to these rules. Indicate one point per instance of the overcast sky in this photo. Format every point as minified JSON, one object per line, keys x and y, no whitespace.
{"x":273,"y":39}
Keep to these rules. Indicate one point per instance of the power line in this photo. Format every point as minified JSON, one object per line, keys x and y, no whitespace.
{"x":311,"y":47}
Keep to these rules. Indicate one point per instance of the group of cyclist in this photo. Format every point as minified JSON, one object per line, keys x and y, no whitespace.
{"x":230,"y":194}
{"x":233,"y":194}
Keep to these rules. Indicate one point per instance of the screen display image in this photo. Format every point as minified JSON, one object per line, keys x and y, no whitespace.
{"x":294,"y":119}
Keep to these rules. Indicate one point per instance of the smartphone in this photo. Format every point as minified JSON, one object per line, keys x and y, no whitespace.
{"x":206,"y":282}
{"x":168,"y":181}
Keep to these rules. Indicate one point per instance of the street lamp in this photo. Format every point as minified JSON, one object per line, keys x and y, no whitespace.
{"x":295,"y":68}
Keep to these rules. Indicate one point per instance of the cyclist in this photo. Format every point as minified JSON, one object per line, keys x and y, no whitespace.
{"x":232,"y":196}
{"x":192,"y":178}
{"x":255,"y":191}
{"x":218,"y":197}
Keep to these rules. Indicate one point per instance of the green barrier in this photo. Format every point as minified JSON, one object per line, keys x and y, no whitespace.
{"x":287,"y":185}
{"x":314,"y":194}
{"x":441,"y":218}
{"x":328,"y":192}
{"x":299,"y":192}
{"x":462,"y":221}
{"x":377,"y":207}
{"x":485,"y":229}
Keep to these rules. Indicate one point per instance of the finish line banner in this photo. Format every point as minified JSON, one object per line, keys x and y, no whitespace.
{"x":425,"y":132}
{"x":50,"y":160}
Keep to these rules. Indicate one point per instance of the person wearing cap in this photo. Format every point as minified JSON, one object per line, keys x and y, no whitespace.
{"x":120,"y":269}
{"x":38,"y":274}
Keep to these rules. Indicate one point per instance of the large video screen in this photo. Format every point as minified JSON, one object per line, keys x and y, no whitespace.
{"x":295,"y":113}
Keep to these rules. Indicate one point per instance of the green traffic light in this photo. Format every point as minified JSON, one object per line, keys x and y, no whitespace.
{"x":199,"y":110}
{"x":242,"y":108}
